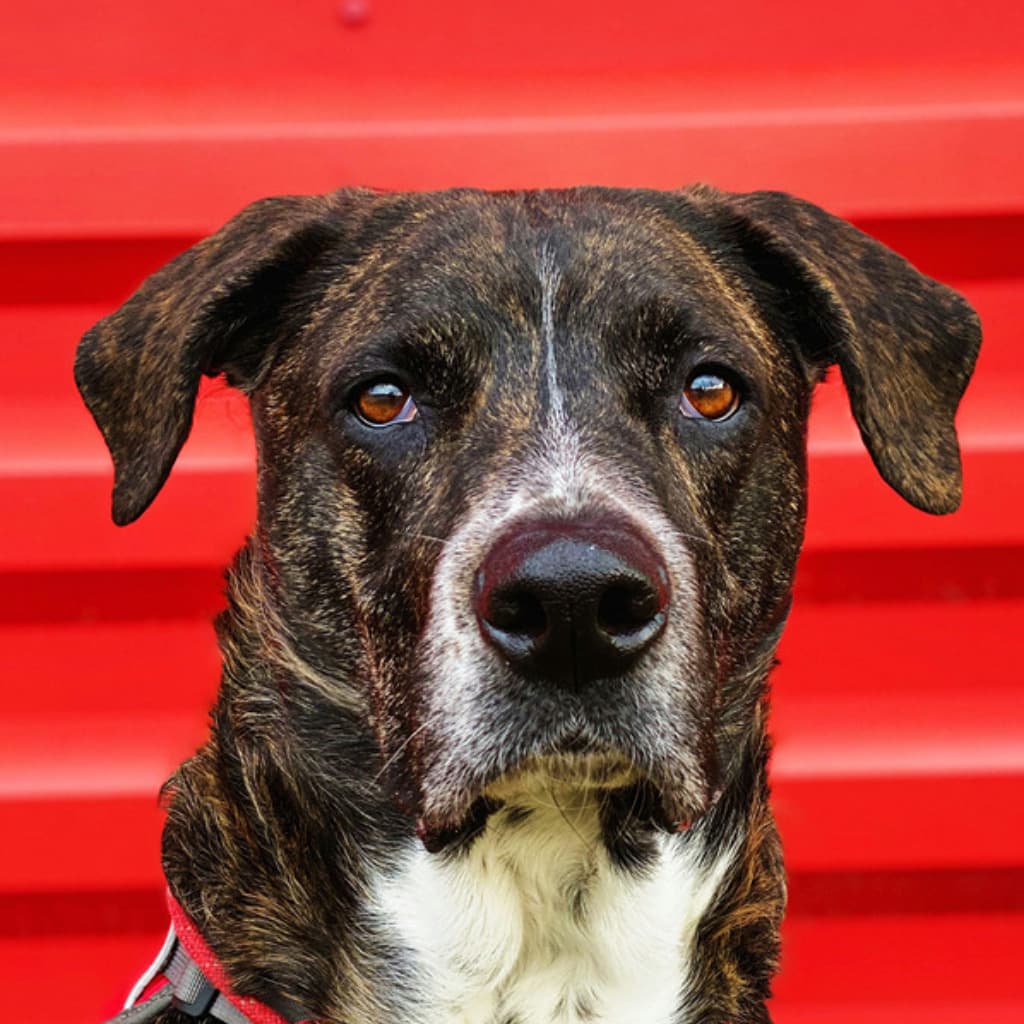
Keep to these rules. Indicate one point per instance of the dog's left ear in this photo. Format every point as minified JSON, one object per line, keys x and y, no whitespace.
{"x":216,"y":308}
{"x":905,"y":344}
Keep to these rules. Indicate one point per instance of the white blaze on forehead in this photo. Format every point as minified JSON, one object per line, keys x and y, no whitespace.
{"x":562,"y":464}
{"x":550,"y":277}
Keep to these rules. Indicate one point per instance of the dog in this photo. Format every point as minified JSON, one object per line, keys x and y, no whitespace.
{"x":491,"y":745}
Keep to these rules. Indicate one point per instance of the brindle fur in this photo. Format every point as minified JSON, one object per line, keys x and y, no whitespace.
{"x":313,"y":771}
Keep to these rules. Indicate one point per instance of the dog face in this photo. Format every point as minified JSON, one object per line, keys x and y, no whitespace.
{"x":532,"y":466}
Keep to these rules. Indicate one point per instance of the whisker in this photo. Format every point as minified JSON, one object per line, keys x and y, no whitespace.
{"x":425,"y":536}
{"x":626,"y":818}
{"x":401,"y":749}
{"x":565,"y":818}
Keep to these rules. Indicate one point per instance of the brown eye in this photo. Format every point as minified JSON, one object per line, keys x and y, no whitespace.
{"x":384,"y":402}
{"x":709,"y":395}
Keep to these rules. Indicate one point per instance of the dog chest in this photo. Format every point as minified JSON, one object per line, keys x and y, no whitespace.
{"x":534,"y":923}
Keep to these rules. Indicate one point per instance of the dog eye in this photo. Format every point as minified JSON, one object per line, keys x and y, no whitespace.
{"x":383,"y":402}
{"x":709,"y":395}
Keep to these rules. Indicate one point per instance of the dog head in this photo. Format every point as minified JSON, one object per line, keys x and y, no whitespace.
{"x":532,"y":466}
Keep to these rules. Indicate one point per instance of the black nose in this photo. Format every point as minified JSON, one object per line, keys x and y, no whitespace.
{"x":571,"y":602}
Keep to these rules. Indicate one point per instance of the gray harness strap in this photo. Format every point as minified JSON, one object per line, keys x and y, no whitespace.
{"x":188,"y":990}
{"x":142,"y":1013}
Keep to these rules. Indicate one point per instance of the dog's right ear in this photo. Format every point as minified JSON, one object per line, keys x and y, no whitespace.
{"x":214,"y":309}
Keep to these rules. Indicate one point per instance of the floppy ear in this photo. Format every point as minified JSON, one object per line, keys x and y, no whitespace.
{"x":905,"y":344}
{"x":216,"y":308}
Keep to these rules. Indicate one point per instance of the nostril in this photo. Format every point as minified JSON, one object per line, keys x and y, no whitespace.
{"x":516,"y":610}
{"x":625,"y":608}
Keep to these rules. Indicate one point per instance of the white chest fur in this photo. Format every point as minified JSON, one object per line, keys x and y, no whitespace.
{"x":536,"y":925}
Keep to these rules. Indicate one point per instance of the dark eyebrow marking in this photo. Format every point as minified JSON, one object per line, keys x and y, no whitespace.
{"x":443,"y":350}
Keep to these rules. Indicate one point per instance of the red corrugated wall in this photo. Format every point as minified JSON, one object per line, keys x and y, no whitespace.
{"x":129,"y":130}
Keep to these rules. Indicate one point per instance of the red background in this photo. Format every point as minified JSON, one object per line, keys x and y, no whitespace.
{"x":128,"y":130}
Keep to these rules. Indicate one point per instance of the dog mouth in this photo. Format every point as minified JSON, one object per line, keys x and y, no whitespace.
{"x":625,"y":793}
{"x":581,"y":771}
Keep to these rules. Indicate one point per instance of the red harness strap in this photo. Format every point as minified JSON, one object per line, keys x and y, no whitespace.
{"x":206,"y":960}
{"x":186,"y":966}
